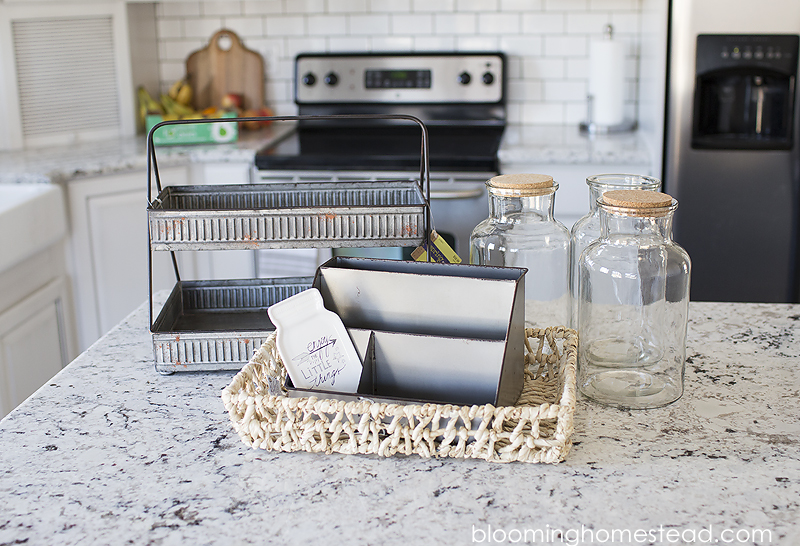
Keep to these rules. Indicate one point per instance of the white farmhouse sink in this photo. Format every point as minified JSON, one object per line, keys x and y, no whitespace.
{"x":31,"y":219}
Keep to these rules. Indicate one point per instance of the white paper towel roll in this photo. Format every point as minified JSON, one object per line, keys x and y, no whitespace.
{"x":607,"y":82}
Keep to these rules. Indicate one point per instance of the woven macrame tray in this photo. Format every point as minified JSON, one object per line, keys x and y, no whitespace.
{"x":538,"y":429}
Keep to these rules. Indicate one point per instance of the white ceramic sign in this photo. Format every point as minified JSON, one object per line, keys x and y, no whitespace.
{"x":314,"y":344}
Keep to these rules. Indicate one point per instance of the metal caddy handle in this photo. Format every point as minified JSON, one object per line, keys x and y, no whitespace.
{"x":423,"y":184}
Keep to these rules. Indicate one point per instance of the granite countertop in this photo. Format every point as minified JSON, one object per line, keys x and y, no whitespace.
{"x":63,"y":163}
{"x":109,"y":451}
{"x":566,"y":145}
{"x":521,"y":143}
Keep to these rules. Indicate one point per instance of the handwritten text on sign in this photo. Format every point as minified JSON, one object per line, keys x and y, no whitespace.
{"x":322,"y":361}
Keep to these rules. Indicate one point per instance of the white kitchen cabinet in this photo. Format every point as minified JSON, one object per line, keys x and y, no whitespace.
{"x":572,"y":197}
{"x":108,"y":249}
{"x":109,"y":244}
{"x":36,"y":331}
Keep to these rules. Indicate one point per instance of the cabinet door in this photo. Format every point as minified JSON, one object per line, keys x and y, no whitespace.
{"x":109,"y":249}
{"x":32,"y":344}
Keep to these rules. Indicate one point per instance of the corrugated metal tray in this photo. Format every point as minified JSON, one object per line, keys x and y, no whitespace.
{"x":217,"y":325}
{"x":290,"y":215}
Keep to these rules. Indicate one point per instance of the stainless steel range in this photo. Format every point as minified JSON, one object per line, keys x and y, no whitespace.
{"x":459,"y":96}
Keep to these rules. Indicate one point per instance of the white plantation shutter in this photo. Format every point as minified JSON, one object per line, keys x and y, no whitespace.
{"x":66,"y":76}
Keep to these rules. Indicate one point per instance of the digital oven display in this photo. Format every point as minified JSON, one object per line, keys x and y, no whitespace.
{"x":392,"y":79}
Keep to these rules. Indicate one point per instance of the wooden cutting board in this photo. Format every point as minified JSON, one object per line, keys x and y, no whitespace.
{"x":226,"y":66}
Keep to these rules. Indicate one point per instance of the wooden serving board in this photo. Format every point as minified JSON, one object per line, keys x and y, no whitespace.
{"x":226,"y":66}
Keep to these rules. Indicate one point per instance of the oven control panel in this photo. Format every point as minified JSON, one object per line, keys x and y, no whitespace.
{"x":420,"y":78}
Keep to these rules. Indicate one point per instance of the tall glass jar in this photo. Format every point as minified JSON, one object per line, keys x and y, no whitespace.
{"x":587,"y":229}
{"x":633,"y":304}
{"x":522,"y":232}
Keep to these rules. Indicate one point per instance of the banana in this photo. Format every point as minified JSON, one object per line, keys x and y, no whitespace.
{"x":185,"y":94}
{"x":181,"y":92}
{"x":147,"y":105}
{"x":175,"y":88}
{"x":171,"y":106}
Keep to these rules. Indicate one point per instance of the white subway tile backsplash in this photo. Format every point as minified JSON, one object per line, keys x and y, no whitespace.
{"x":564,"y":90}
{"x":477,"y":5}
{"x":477,"y":43}
{"x":455,"y":23}
{"x":368,"y":24}
{"x":499,"y":23}
{"x":285,"y":25}
{"x":575,"y":112}
{"x":543,"y":23}
{"x":543,"y":113}
{"x":201,"y":28}
{"x":226,"y":7}
{"x":432,"y":6}
{"x":525,"y":91}
{"x":566,"y":46}
{"x":520,"y":5}
{"x":389,"y":6}
{"x":178,"y":50}
{"x":169,"y":72}
{"x":543,"y":68}
{"x":513,"y":68}
{"x":348,"y":43}
{"x":304,"y":6}
{"x":326,"y":25}
{"x":523,"y":46}
{"x":546,"y":41}
{"x":566,"y":5}
{"x":593,"y":24}
{"x":170,"y":27}
{"x":245,"y":27}
{"x":347,"y":6}
{"x":301,"y":45}
{"x":392,"y":43}
{"x":628,"y":22}
{"x":578,"y":68}
{"x":411,"y":24}
{"x":614,"y":5}
{"x":178,"y":9}
{"x":262,"y":7}
{"x":434,"y":43}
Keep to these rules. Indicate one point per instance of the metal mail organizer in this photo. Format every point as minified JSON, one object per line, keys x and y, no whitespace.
{"x":216,"y":325}
{"x":430,"y":332}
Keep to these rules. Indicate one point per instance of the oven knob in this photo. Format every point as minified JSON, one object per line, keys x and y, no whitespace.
{"x":464,"y":78}
{"x":331,"y":79}
{"x":309,"y":79}
{"x":488,"y":78}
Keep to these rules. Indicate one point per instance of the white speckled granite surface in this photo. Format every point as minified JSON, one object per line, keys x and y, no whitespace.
{"x":521,"y":144}
{"x":63,"y":163}
{"x":110,"y":452}
{"x":566,"y":145}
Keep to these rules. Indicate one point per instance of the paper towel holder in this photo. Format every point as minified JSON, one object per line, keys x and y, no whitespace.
{"x":590,"y":126}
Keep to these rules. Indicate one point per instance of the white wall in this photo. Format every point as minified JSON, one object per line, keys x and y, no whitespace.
{"x":547,"y":41}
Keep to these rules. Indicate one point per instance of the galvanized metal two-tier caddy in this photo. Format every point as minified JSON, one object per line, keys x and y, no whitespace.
{"x":217,"y":325}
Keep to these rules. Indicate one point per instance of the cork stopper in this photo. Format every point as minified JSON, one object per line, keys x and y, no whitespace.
{"x":636,"y":199}
{"x":522,"y":181}
{"x":639,"y":202}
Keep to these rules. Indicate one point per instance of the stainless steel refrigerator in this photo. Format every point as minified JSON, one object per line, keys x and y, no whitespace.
{"x":732,"y":146}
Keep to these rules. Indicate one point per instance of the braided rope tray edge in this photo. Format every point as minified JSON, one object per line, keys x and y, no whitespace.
{"x":538,"y":429}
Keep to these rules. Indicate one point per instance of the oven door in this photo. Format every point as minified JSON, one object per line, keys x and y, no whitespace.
{"x":459,"y":202}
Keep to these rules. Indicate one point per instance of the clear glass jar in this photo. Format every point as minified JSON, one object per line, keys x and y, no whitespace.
{"x":522,"y":232}
{"x":587,"y":229}
{"x":633,"y":304}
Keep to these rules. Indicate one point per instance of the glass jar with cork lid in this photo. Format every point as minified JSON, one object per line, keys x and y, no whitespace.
{"x":587,"y":228}
{"x":521,"y":231}
{"x":633,"y":304}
